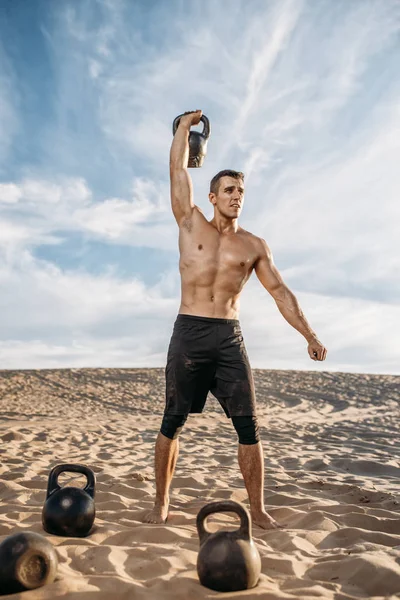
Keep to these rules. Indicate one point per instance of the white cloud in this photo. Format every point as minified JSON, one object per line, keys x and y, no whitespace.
{"x":71,"y":192}
{"x":357,"y":333}
{"x":95,"y":68}
{"x":38,"y":354}
{"x":39,"y":295}
{"x":34,"y":209}
{"x":9,"y":193}
{"x":53,"y":318}
{"x":116,"y":218}
{"x":343,"y":210}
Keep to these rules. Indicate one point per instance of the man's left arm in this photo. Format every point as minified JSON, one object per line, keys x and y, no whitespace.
{"x":286,"y":301}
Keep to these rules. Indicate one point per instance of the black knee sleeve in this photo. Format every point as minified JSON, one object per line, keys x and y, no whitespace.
{"x":247,"y":429}
{"x":172,"y":424}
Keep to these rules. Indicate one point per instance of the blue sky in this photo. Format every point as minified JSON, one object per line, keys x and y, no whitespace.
{"x":302,"y":96}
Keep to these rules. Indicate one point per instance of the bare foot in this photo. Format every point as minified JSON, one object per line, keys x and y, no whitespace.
{"x":159,"y":514}
{"x":264,"y":520}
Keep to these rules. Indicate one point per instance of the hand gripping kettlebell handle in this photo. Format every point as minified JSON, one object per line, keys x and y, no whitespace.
{"x":244,"y":530}
{"x":206,"y":125}
{"x":56,"y":471}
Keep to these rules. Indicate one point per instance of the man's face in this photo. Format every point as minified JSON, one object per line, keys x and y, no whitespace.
{"x":229,"y":199}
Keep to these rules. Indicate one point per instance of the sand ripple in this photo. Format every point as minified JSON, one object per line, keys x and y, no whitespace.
{"x":332,"y":469}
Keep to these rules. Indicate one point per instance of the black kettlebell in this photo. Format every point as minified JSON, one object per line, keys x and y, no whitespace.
{"x":197,"y":141}
{"x":27,"y":561}
{"x":69,"y":511}
{"x":228,"y":561}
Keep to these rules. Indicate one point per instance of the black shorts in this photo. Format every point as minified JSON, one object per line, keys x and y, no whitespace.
{"x":207,"y":354}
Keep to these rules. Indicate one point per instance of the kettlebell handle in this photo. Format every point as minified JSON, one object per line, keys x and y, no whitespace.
{"x":206,"y":125}
{"x":244,"y":530}
{"x":56,"y":471}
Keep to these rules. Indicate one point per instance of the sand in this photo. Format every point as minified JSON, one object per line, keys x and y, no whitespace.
{"x":331,"y":447}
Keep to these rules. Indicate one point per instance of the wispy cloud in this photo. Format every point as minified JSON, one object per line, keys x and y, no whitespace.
{"x":8,"y":103}
{"x":272,"y":41}
{"x":34,"y":209}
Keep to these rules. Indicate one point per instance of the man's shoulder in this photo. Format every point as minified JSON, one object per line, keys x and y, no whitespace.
{"x":258,"y":244}
{"x":254,"y":239}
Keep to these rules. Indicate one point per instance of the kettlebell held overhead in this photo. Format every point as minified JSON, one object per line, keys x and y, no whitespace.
{"x":69,"y":511}
{"x":197,"y":141}
{"x":228,"y":561}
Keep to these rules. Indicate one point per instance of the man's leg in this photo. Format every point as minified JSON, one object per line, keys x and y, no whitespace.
{"x":251,"y":463}
{"x":166,"y":456}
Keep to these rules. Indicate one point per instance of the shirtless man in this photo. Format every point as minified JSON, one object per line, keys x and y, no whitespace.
{"x":207,"y":352}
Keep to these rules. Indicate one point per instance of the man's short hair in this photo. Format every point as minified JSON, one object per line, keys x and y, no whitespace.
{"x":214,"y":184}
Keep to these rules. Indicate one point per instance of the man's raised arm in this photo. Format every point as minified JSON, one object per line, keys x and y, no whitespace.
{"x":181,"y":183}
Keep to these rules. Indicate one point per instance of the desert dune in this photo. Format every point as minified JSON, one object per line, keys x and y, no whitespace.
{"x":332,"y":467}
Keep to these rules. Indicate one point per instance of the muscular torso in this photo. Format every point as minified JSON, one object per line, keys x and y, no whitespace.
{"x":214,"y":267}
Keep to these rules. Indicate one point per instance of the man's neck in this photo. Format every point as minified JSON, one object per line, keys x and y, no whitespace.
{"x":225,"y":226}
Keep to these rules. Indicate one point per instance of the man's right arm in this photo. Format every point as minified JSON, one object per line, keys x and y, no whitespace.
{"x":181,"y":183}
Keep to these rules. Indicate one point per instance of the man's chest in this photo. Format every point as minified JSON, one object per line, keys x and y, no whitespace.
{"x":222,"y":252}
